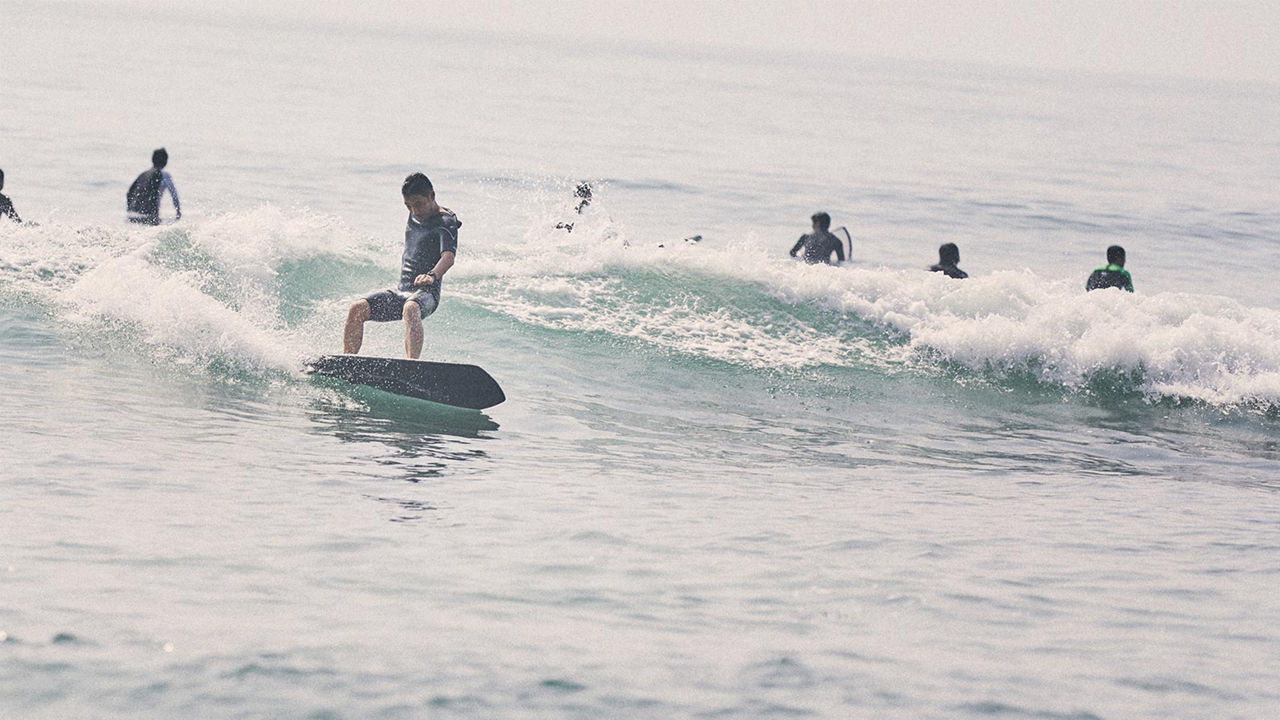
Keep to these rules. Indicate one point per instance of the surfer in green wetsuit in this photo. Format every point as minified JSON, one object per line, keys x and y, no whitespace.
{"x":1111,"y":275}
{"x":430,"y":245}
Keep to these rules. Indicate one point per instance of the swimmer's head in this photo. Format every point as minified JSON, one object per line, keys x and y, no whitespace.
{"x":160,"y":158}
{"x":821,"y":221}
{"x":1,"y":179}
{"x":1115,"y":255}
{"x":949,"y":254}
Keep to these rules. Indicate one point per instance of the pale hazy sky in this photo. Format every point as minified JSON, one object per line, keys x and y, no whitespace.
{"x":1226,"y":40}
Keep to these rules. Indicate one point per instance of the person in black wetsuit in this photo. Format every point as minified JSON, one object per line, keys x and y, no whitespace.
{"x":819,"y":244}
{"x":1111,"y":275}
{"x":6,"y":205}
{"x":948,"y":259}
{"x":430,"y":245}
{"x":142,"y":202}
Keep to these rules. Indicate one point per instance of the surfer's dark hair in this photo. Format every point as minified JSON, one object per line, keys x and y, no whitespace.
{"x":417,"y":184}
{"x":1115,"y":255}
{"x":160,"y":158}
{"x":949,"y":254}
{"x":823,"y":220}
{"x":1,"y":179}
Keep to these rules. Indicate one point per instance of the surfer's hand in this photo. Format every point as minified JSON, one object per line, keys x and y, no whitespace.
{"x":424,"y":279}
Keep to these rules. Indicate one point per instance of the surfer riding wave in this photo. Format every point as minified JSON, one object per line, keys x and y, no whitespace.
{"x":430,"y":245}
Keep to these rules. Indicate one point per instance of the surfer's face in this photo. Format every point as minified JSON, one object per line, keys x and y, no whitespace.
{"x":420,"y":205}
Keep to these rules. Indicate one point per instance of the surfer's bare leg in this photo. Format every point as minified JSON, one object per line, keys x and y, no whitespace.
{"x":353,"y":333}
{"x":412,"y":329}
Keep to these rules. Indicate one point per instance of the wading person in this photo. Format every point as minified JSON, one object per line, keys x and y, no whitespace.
{"x":819,"y":244}
{"x":948,"y":259}
{"x":1111,"y":275}
{"x":430,"y":245}
{"x":143,"y":199}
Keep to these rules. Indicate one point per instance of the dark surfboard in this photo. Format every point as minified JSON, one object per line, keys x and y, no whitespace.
{"x":465,"y":386}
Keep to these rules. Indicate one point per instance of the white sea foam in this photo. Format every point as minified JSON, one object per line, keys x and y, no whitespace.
{"x":200,"y":291}
{"x":257,"y":241}
{"x":174,"y":314}
{"x":209,"y":290}
{"x":1201,"y":347}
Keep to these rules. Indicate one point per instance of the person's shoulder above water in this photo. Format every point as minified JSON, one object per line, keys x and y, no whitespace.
{"x":1111,"y":275}
{"x":7,"y":210}
{"x":6,"y":205}
{"x":948,"y":259}
{"x":950,"y":271}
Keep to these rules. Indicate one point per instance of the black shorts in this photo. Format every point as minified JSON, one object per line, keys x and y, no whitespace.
{"x":388,"y":305}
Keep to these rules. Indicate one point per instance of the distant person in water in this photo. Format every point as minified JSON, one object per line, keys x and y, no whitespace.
{"x":583,"y":193}
{"x":143,"y":200}
{"x":430,"y":245}
{"x":1113,"y":274}
{"x":6,"y":205}
{"x":819,"y":244}
{"x":948,"y":259}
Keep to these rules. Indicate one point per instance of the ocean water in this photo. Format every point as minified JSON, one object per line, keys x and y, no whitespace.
{"x":724,"y":484}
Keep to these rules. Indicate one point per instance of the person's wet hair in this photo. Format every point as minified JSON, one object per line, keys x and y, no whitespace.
{"x":160,"y":158}
{"x":417,"y":184}
{"x":1,"y":179}
{"x":822,"y":219}
{"x":1115,"y":255}
{"x":949,"y":254}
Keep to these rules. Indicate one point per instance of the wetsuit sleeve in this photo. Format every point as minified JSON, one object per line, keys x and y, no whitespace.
{"x":796,"y":248}
{"x":839,"y":250}
{"x":166,"y":183}
{"x":448,"y":241}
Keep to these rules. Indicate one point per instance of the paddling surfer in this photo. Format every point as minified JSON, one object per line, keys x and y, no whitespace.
{"x":430,"y":245}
